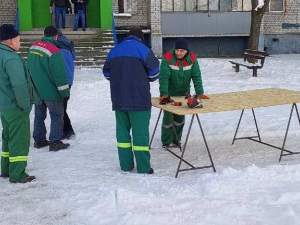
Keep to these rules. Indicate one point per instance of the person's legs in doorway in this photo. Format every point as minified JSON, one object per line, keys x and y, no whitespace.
{"x":76,"y":22}
{"x":82,"y":18}
{"x":63,"y":17}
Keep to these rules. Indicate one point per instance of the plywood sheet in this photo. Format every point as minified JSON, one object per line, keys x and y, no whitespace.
{"x":234,"y":101}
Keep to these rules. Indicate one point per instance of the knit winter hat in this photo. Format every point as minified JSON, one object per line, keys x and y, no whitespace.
{"x":7,"y":31}
{"x":182,"y":43}
{"x":136,"y":32}
{"x":50,"y":31}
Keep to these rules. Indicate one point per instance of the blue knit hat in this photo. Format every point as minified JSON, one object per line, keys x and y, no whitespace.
{"x":182,"y":43}
{"x":7,"y":31}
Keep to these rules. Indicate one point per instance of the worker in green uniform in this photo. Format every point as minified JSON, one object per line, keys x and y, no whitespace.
{"x":17,"y":95}
{"x":178,"y":67}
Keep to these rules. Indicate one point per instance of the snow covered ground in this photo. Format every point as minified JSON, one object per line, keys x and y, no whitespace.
{"x":84,"y":185}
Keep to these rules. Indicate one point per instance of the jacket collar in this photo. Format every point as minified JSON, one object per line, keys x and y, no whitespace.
{"x":7,"y":48}
{"x":51,"y":40}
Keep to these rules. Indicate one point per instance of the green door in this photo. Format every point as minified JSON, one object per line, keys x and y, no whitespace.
{"x":93,"y":14}
{"x":41,"y":13}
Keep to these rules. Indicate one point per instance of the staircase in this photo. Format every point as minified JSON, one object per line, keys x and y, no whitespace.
{"x":91,"y":46}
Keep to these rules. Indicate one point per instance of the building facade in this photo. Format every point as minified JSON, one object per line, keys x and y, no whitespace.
{"x":212,"y":27}
{"x":36,"y":14}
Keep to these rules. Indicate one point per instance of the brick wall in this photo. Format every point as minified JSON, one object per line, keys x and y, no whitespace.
{"x":8,"y":10}
{"x":139,"y":14}
{"x":154,"y":12}
{"x":273,"y":21}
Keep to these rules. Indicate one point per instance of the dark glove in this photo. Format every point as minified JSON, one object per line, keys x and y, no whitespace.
{"x":203,"y":97}
{"x":165,"y":100}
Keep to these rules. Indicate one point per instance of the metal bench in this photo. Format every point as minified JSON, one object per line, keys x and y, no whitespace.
{"x":251,"y":55}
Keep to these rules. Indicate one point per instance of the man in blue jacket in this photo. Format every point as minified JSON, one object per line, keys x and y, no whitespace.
{"x":69,"y":55}
{"x":129,"y":67}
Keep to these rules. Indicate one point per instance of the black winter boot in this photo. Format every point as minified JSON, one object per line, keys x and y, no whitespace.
{"x":68,"y":135}
{"x":58,"y":145}
{"x":41,"y":144}
{"x":4,"y":175}
{"x":151,"y":171}
{"x":24,"y":180}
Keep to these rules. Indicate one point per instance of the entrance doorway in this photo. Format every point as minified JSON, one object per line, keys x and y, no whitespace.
{"x":40,"y":13}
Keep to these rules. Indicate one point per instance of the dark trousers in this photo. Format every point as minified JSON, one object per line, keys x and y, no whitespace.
{"x":67,"y":122}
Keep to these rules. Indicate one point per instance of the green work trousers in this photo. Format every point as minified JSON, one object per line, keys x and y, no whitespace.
{"x":167,"y":131}
{"x":138,"y":121}
{"x":15,"y":143}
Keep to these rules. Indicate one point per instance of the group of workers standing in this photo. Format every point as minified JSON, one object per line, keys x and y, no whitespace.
{"x":46,"y":81}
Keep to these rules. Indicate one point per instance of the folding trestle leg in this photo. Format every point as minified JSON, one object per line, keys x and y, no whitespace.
{"x":184,"y":149}
{"x":286,"y":133}
{"x":155,"y":128}
{"x":206,"y":145}
{"x":236,"y":131}
{"x":264,"y":143}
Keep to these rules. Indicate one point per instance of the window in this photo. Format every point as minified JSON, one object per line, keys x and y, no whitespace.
{"x":121,"y":6}
{"x":276,"y":6}
{"x":202,"y":5}
{"x":127,"y":6}
{"x":205,"y":5}
{"x":167,"y":5}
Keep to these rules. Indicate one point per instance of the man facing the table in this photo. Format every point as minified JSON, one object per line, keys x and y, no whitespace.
{"x":178,"y":67}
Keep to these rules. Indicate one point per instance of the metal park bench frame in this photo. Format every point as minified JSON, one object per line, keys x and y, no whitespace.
{"x":253,"y":55}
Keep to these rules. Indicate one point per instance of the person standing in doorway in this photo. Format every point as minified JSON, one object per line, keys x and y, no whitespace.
{"x":129,"y":67}
{"x":80,"y":12}
{"x":16,"y":91}
{"x":61,"y":6}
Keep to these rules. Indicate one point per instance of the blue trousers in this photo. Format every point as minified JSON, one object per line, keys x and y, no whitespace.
{"x":81,"y":15}
{"x":60,"y":11}
{"x":56,"y":110}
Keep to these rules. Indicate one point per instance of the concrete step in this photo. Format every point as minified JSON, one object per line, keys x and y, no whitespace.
{"x":79,"y":53}
{"x":36,"y":34}
{"x":99,"y":43}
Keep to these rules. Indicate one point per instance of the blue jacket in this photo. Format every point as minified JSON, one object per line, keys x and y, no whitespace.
{"x":129,"y":67}
{"x":68,"y":53}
